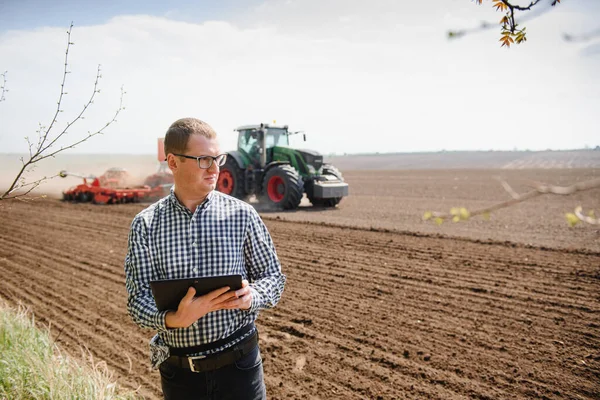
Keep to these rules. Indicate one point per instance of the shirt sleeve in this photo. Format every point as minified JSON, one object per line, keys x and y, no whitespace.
{"x":264,"y":269}
{"x":138,"y":272}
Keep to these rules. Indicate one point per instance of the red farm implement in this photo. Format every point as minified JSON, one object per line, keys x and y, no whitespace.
{"x":112,"y":188}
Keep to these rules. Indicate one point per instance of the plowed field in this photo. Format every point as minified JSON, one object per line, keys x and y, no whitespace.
{"x":378,"y":304}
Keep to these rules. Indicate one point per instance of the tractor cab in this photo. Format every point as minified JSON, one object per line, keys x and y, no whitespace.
{"x":254,"y":141}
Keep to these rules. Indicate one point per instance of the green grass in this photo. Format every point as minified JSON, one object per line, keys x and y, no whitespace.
{"x":33,"y":367}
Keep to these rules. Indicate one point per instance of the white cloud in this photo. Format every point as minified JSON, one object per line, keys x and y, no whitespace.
{"x":355,"y":79}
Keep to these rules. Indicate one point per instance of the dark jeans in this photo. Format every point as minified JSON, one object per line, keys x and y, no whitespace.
{"x":242,"y":380}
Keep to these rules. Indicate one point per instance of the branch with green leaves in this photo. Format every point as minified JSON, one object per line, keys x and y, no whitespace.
{"x":47,"y":140}
{"x":510,"y":31}
{"x":458,"y":214}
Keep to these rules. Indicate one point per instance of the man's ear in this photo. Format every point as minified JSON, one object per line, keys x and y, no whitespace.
{"x":172,"y":162}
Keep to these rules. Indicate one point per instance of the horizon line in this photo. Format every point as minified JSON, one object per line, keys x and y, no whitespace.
{"x":443,"y":151}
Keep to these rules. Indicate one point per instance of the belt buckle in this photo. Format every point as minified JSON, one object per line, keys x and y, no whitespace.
{"x":191,"y":361}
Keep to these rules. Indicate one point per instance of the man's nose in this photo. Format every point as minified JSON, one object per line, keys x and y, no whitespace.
{"x":214,"y":167}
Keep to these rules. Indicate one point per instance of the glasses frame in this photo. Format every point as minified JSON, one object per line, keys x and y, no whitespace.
{"x":211,"y":158}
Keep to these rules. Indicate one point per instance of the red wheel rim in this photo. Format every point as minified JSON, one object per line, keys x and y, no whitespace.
{"x":225,"y":182}
{"x":276,"y":189}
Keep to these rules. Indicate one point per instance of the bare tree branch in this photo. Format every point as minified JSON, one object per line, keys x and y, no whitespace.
{"x":586,"y":218}
{"x":44,"y":147}
{"x":62,"y":87}
{"x":33,"y":185}
{"x":457,"y":214}
{"x":90,"y":134}
{"x":3,"y":86}
{"x":509,"y":189}
{"x":41,"y":147}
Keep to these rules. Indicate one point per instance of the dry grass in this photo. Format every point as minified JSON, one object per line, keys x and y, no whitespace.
{"x":33,"y":367}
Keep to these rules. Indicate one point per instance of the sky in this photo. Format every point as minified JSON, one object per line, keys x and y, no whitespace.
{"x":355,"y":76}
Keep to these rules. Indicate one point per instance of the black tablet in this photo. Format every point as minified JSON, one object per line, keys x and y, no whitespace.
{"x":169,"y":292}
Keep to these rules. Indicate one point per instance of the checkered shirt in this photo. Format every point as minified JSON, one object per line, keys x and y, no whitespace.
{"x":223,"y":236}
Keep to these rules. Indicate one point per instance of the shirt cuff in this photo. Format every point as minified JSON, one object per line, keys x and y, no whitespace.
{"x":256,"y":300}
{"x":160,"y":321}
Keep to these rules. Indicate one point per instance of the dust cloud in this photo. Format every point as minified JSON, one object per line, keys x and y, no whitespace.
{"x":139,"y":167}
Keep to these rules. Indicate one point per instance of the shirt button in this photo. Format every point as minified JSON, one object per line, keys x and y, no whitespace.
{"x":194,"y":244}
{"x":195,"y":269}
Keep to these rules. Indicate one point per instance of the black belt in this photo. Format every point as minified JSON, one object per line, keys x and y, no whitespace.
{"x":183,"y":351}
{"x":218,"y":360}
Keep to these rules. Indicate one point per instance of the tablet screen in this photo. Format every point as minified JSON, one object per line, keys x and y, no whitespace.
{"x":169,"y":292}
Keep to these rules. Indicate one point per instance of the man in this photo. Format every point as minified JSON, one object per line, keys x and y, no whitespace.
{"x":208,"y":347}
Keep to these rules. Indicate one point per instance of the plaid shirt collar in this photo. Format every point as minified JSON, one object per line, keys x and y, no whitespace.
{"x":177,"y":204}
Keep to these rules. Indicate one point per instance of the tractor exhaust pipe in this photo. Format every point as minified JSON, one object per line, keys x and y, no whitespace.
{"x":263,"y":147}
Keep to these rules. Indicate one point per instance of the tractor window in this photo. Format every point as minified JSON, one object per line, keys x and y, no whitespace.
{"x":277,"y":137}
{"x":247,"y":142}
{"x":271,"y":140}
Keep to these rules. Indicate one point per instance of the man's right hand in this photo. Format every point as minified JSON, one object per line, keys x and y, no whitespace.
{"x":192,"y":308}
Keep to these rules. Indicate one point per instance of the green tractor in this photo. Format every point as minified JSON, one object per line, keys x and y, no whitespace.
{"x":265,"y":166}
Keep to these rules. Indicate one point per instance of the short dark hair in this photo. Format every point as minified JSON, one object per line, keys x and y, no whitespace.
{"x":178,"y":134}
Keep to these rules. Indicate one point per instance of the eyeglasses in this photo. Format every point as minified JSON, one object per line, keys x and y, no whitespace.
{"x":206,"y":162}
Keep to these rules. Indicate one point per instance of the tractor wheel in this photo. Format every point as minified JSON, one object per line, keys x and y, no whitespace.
{"x":231,"y":180}
{"x":328,"y":169}
{"x":84,"y":197}
{"x":331,"y":202}
{"x":282,"y":187}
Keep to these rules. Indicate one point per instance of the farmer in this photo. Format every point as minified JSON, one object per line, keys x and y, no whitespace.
{"x":208,"y":346}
